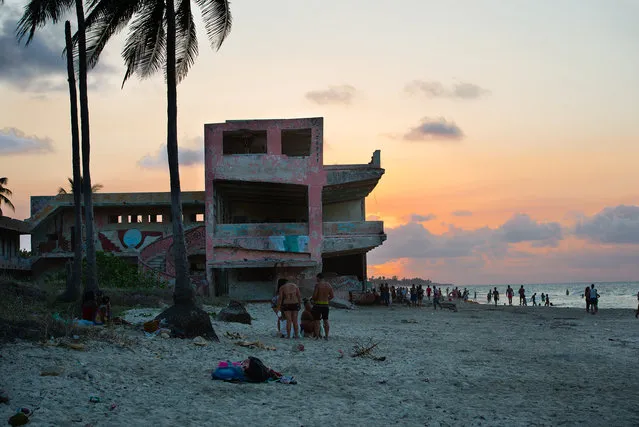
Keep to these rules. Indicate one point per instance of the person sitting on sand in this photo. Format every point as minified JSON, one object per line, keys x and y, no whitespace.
{"x":322,"y":295}
{"x":289,"y":303}
{"x":307,"y":323}
{"x":89,"y":306}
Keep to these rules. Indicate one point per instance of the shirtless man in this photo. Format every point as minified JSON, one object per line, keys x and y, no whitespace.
{"x":289,"y":301}
{"x":322,"y":295}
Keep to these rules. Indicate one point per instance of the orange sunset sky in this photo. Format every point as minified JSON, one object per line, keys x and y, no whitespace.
{"x":508,"y":129}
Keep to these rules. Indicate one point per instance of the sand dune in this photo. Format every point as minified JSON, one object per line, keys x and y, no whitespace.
{"x":480,"y":366}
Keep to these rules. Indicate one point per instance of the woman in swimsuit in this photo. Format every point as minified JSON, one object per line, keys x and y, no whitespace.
{"x":289,"y":302}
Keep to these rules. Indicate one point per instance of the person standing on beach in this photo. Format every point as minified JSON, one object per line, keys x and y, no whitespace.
{"x":322,"y":295}
{"x":489,"y":296}
{"x":594,"y":299}
{"x":534,"y":298}
{"x":495,"y":295}
{"x":587,"y":297}
{"x":290,"y":302}
{"x":437,"y":294}
{"x":509,"y":294}
{"x":428,"y":291}
{"x":637,"y":313}
{"x":522,"y":295}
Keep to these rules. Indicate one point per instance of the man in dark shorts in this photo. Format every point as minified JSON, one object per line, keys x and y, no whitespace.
{"x":290,"y":301}
{"x":322,"y":295}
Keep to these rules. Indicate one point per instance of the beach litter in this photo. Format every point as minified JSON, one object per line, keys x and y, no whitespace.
{"x":200,"y":341}
{"x":234,"y":335}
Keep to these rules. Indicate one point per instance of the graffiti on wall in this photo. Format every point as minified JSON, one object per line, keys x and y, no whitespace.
{"x":288,"y":243}
{"x":122,"y":240}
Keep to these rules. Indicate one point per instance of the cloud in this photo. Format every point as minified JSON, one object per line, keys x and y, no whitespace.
{"x":187,"y":157}
{"x":13,"y":141}
{"x":434,"y":129}
{"x":413,"y":240}
{"x":522,"y":228}
{"x":39,"y":67}
{"x":343,"y":95}
{"x":433,"y":89}
{"x":422,"y":218}
{"x":462,"y":213}
{"x":618,"y":224}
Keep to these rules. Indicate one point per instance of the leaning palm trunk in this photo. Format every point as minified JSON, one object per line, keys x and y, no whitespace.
{"x":73,"y":286}
{"x":91,"y":273}
{"x":184,"y":314}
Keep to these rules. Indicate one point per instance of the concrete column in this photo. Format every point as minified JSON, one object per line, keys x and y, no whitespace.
{"x":315,"y":224}
{"x":274,"y":141}
{"x":213,"y":152}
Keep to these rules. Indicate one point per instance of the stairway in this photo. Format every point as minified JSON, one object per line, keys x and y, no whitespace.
{"x":158,"y":262}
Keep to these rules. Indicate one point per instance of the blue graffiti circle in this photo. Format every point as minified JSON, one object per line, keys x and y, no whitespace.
{"x":132,"y":238}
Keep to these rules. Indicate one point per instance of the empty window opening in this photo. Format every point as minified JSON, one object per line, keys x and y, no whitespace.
{"x":113,"y":219}
{"x":255,"y":274}
{"x":199,"y":217}
{"x":242,"y":202}
{"x":244,"y":142}
{"x":296,"y":142}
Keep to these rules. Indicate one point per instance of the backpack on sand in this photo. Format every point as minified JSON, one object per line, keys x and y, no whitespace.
{"x":256,"y":371}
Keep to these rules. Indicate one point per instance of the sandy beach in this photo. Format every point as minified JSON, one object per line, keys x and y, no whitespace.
{"x":482,"y":365}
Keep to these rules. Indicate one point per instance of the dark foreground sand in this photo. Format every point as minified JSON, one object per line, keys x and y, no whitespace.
{"x":480,"y":366}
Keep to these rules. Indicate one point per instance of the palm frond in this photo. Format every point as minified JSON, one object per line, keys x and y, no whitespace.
{"x":97,"y":187}
{"x":145,"y":48}
{"x":4,"y":180}
{"x":37,"y":13}
{"x":186,"y":39}
{"x":217,"y":20}
{"x":4,"y":199}
{"x":105,"y":19}
{"x":62,"y":190}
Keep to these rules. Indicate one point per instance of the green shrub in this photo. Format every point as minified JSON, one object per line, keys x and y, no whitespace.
{"x":115,"y":272}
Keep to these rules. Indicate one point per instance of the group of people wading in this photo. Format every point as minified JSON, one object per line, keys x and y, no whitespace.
{"x":288,"y":303}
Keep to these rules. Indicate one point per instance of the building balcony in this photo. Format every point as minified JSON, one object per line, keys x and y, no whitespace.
{"x":15,"y":263}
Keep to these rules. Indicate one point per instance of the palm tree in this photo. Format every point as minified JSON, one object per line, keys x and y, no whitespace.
{"x":94,"y":188}
{"x":72,"y":291}
{"x":163,"y":37}
{"x":36,"y":14}
{"x":5,"y":193}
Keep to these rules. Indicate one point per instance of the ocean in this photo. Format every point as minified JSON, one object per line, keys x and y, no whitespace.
{"x":612,"y":294}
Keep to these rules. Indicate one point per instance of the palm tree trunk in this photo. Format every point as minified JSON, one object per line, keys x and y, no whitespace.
{"x":183,"y":293}
{"x":91,"y":275}
{"x":73,"y":286}
{"x":183,"y":315}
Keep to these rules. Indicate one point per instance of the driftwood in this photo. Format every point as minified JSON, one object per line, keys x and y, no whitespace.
{"x":234,"y":335}
{"x":367,"y":351}
{"x":255,"y":344}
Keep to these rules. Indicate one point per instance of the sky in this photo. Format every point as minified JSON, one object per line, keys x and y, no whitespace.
{"x":508,"y":129}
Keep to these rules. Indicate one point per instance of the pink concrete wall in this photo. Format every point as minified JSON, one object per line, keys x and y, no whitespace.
{"x":270,"y":167}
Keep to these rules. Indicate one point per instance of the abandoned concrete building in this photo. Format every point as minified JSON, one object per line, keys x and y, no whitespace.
{"x":270,"y":208}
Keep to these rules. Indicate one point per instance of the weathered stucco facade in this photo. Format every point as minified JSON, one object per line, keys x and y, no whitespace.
{"x":270,"y":208}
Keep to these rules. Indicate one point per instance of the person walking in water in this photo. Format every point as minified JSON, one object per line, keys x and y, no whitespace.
{"x":322,"y":295}
{"x":587,"y":298}
{"x":495,"y":295}
{"x":522,"y":295}
{"x":594,"y":299}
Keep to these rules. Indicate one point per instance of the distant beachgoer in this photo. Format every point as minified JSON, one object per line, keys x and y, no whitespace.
{"x":522,"y":295}
{"x":420,"y":295}
{"x":428,"y":291}
{"x":496,"y":296}
{"x":567,"y":293}
{"x":547,"y":300}
{"x":637,"y":313}
{"x":322,"y":295}
{"x":534,"y":299}
{"x":437,"y":294}
{"x":475,"y":296}
{"x":543,"y":297}
{"x":594,"y":299}
{"x":489,"y":296}
{"x":289,"y":303}
{"x":89,"y":306}
{"x":281,"y":321}
{"x":509,"y":294}
{"x":413,"y":296}
{"x":587,"y":297}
